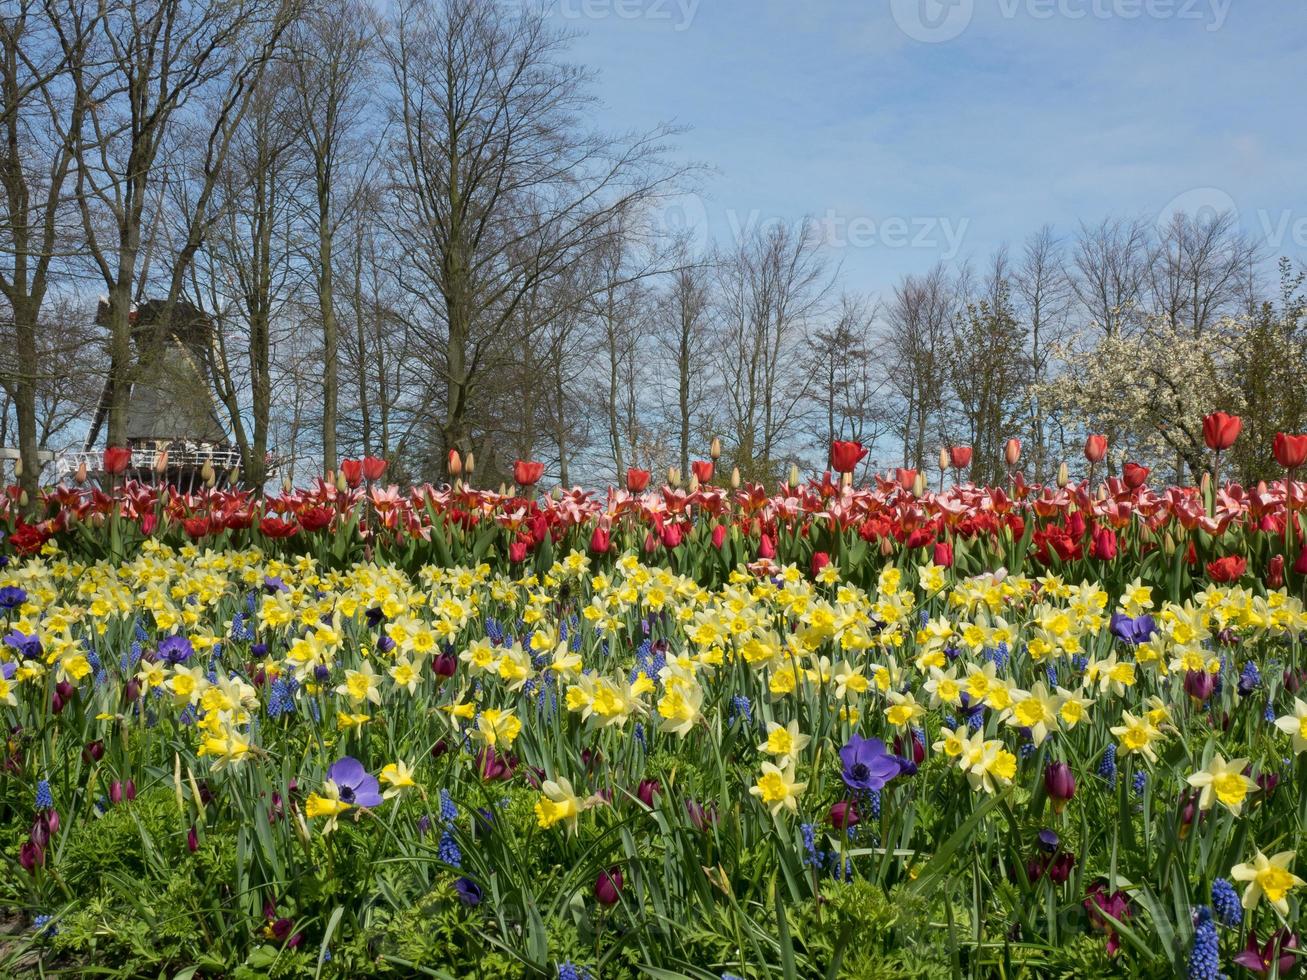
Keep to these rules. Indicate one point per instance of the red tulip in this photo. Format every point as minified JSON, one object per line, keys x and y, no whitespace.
{"x":907,"y":478}
{"x":527,"y":473}
{"x":1275,"y":572}
{"x":608,"y":886}
{"x":1220,"y":430}
{"x":195,"y":527}
{"x":845,"y":456}
{"x":373,"y":468}
{"x":1104,"y":544}
{"x":117,"y":459}
{"x":943,"y":556}
{"x":1290,"y":451}
{"x":671,"y":536}
{"x":960,"y":457}
{"x":1095,"y":448}
{"x":1012,"y":452}
{"x":703,"y":470}
{"x":1228,"y":569}
{"x":1135,"y":476}
{"x":820,"y":560}
{"x":275,"y":527}
{"x":316,"y":518}
{"x":353,"y":471}
{"x":599,"y":541}
{"x":517,"y":552}
{"x":1300,"y":565}
{"x":719,"y":536}
{"x":636,"y":480}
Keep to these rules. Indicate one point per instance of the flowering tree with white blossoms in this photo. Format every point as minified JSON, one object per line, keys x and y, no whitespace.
{"x":1149,"y":390}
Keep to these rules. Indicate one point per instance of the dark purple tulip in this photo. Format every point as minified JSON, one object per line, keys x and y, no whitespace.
{"x":700,"y":817}
{"x":647,"y":790}
{"x":1267,"y":781}
{"x":1059,"y":872}
{"x":445,"y":665}
{"x":493,"y":766}
{"x":439,"y":749}
{"x":844,"y":815}
{"x":192,"y":840}
{"x":424,"y":824}
{"x":608,"y":886}
{"x":40,"y":833}
{"x":591,"y":758}
{"x":866,"y":763}
{"x":65,"y":691}
{"x":1059,"y":784}
{"x":51,"y":820}
{"x":93,"y":752}
{"x":56,"y":703}
{"x":281,"y":928}
{"x":915,"y":751}
{"x":30,"y":855}
{"x":116,"y":792}
{"x":1199,"y":684}
{"x":1259,"y":958}
{"x":469,"y":892}
{"x":131,"y":690}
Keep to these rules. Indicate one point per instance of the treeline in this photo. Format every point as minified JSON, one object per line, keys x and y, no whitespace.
{"x":411,"y":238}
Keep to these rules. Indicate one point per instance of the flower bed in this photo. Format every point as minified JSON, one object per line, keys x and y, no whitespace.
{"x":821,"y":732}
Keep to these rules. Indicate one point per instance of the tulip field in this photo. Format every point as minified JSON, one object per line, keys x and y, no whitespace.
{"x":681,"y":730}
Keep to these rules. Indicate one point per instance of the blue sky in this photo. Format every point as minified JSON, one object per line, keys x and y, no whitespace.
{"x":929,"y":129}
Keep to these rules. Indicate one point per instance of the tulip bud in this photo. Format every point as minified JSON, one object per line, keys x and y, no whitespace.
{"x":207,"y":473}
{"x":943,"y":459}
{"x":469,"y":464}
{"x":342,"y":484}
{"x":1199,"y":684}
{"x":843,"y":815}
{"x":1012,"y":452}
{"x":455,"y":465}
{"x":715,"y":450}
{"x":161,"y":462}
{"x":919,"y":485}
{"x":608,"y":886}
{"x":1205,"y":484}
{"x":719,"y":536}
{"x":557,"y":494}
{"x":794,"y":476}
{"x":287,"y":486}
{"x":22,"y":498}
{"x":192,"y":840}
{"x":673,"y":476}
{"x":886,"y":546}
{"x":18,"y":468}
{"x":735,"y":478}
{"x":80,"y":475}
{"x":1059,"y":784}
{"x":1063,"y":476}
{"x":693,"y":485}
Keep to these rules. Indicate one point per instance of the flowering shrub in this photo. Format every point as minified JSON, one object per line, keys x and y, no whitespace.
{"x":829,"y":732}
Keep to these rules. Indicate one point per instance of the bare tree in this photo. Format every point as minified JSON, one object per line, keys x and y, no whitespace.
{"x":41,"y":126}
{"x":1042,"y":292}
{"x":146,"y":63}
{"x":332,"y":49}
{"x":919,"y":317}
{"x":1111,"y":264}
{"x":848,"y":377}
{"x":1198,"y":269}
{"x":498,"y":187}
{"x":773,"y":290}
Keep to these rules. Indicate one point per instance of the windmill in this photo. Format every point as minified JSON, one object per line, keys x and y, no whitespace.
{"x":171,"y":406}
